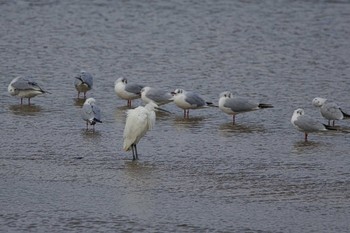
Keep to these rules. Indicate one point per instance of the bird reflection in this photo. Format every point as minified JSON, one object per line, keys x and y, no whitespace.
{"x":240,"y":128}
{"x":25,"y":109}
{"x":79,"y":102}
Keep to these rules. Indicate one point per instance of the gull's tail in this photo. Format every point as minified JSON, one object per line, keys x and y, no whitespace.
{"x":346,"y":115}
{"x":265,"y":106}
{"x":210,"y":104}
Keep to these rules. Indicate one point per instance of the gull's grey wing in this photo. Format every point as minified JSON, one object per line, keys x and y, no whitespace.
{"x":87,"y":112}
{"x":133,"y":88}
{"x":238,"y":104}
{"x":194,"y":99}
{"x":159,"y":96}
{"x":26,"y":83}
{"x":331,"y":111}
{"x":97,"y":112}
{"x":84,"y":77}
{"x":309,"y":124}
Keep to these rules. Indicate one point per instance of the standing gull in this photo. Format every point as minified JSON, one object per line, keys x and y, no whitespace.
{"x":126,"y":90}
{"x":158,"y":96}
{"x":91,"y":113}
{"x":329,"y":110}
{"x":235,"y":105}
{"x":189,"y":100}
{"x":25,"y":87}
{"x":83,"y":82}
{"x":138,"y":122}
{"x":307,"y":124}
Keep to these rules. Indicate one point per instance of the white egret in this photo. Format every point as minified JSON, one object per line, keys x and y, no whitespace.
{"x":138,"y":122}
{"x":329,"y":110}
{"x":25,"y":87}
{"x":91,"y":113}
{"x":126,"y":90}
{"x":83,"y":82}
{"x":307,"y":124}
{"x":235,"y":105}
{"x":189,"y":100}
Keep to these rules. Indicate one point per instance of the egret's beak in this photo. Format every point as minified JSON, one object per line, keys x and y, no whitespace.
{"x":160,"y":109}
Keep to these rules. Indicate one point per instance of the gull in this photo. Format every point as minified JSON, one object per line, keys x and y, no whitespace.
{"x":235,"y":105}
{"x":25,"y":87}
{"x":138,"y":122}
{"x":83,"y":82}
{"x":126,"y":90}
{"x":329,"y":110}
{"x":306,"y":124}
{"x":91,"y":113}
{"x":158,"y":96}
{"x":189,"y":100}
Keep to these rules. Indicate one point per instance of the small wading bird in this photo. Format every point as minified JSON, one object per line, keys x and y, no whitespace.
{"x":91,"y":113}
{"x":307,"y":124}
{"x":25,"y":87}
{"x":189,"y":100}
{"x":126,"y":90}
{"x":138,"y":122}
{"x":235,"y":105}
{"x":330,"y":110}
{"x":83,"y":82}
{"x":158,"y":96}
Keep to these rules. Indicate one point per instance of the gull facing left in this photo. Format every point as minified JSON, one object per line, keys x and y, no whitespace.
{"x":189,"y":100}
{"x":91,"y":113}
{"x":307,"y":124}
{"x":25,"y":87}
{"x":235,"y":105}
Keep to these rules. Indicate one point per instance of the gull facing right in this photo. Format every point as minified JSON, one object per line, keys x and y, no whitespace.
{"x":329,"y":110}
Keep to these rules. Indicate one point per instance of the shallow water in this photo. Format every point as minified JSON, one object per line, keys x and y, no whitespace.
{"x":196,"y":175}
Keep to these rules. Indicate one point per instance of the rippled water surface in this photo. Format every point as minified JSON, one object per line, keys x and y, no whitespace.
{"x":196,"y":175}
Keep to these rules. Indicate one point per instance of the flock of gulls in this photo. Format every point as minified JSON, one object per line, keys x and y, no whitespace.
{"x":142,"y":118}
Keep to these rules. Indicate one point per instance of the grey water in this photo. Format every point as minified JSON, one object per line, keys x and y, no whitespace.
{"x":197,"y":175}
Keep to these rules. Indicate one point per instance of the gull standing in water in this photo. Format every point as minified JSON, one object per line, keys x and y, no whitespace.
{"x":307,"y":124}
{"x":25,"y":87}
{"x":138,"y":122}
{"x":329,"y":110}
{"x":83,"y":82}
{"x":91,"y":113}
{"x":158,"y":96}
{"x":235,"y":105}
{"x":189,"y":100}
{"x":126,"y":90}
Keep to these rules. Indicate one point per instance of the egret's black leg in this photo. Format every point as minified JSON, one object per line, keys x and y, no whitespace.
{"x":133,"y":152}
{"x":137,"y":156}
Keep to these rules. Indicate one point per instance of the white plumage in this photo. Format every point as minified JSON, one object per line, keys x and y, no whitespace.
{"x":138,"y":122}
{"x":83,"y":82}
{"x":91,"y":113}
{"x":25,"y":87}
